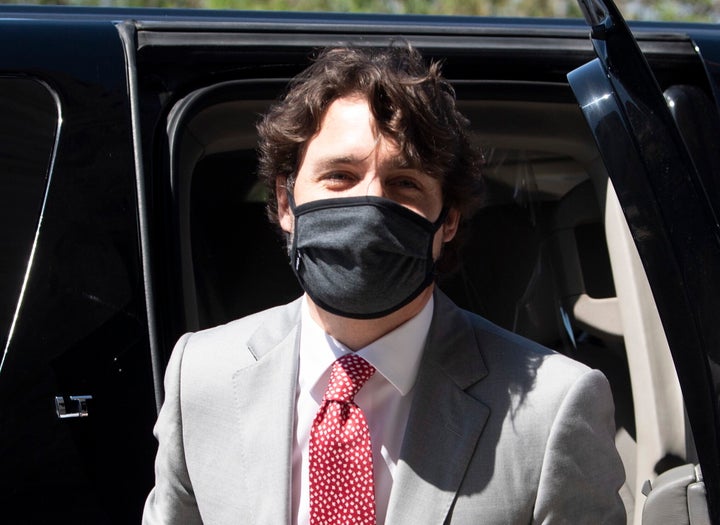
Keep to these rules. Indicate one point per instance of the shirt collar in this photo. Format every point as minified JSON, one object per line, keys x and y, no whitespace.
{"x":396,"y":355}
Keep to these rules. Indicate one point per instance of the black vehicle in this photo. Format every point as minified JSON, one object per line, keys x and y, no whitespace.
{"x":131,"y":214}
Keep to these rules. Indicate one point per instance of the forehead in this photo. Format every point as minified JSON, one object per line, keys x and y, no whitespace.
{"x":349,"y":130}
{"x":347,"y":114}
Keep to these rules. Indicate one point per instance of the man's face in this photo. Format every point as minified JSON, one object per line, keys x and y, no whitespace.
{"x":349,"y":158}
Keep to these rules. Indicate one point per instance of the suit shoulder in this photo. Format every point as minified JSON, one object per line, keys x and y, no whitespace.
{"x":228,"y":343}
{"x":537,"y":380}
{"x":501,"y":345}
{"x":240,"y":330}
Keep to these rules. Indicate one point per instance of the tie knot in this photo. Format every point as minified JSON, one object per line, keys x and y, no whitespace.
{"x":349,"y":374}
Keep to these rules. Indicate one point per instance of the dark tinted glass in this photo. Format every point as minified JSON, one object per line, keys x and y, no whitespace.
{"x":28,"y":124}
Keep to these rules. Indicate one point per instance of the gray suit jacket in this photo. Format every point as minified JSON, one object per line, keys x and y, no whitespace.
{"x":501,"y":430}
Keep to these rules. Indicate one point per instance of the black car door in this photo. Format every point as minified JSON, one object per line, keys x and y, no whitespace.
{"x":662,"y":169}
{"x":76,"y":387}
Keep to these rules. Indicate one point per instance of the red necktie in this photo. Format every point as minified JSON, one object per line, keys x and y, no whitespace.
{"x":342,"y":491}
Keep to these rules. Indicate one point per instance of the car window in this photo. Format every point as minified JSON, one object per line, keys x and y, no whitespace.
{"x":28,"y":126}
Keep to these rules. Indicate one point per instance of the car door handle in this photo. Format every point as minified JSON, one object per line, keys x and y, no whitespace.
{"x":76,"y":406}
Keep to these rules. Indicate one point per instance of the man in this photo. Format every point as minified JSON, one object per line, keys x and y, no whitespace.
{"x":370,"y":172}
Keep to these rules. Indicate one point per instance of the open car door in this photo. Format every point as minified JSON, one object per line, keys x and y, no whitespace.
{"x":666,"y":185}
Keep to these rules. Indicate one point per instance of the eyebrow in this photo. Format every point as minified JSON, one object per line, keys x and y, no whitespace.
{"x":398,"y":162}
{"x":332,"y":162}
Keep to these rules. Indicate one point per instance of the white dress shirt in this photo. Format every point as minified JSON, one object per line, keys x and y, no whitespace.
{"x":385,"y":399}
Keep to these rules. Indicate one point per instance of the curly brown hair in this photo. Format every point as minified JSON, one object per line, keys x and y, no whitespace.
{"x":413,"y":105}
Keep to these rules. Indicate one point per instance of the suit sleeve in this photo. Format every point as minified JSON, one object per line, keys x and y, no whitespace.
{"x":172,"y":500}
{"x":582,"y":471}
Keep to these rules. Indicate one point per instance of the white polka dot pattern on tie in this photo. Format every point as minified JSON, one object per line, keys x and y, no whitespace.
{"x":342,"y":490}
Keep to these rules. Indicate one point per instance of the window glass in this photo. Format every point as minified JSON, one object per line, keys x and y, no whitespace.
{"x":28,"y":124}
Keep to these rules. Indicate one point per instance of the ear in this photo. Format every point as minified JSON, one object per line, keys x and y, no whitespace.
{"x":450,"y":226}
{"x":285,"y":216}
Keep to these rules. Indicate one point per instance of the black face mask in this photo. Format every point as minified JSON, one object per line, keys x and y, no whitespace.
{"x":362,"y":257}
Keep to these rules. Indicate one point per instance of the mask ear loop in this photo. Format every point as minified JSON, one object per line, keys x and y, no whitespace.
{"x":291,"y":237}
{"x":442,"y":218}
{"x":295,"y":255}
{"x":291,"y":199}
{"x":433,"y":272}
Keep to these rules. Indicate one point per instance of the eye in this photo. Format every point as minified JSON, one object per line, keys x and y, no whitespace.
{"x":337,"y":175}
{"x":406,"y":183}
{"x":337,"y":179}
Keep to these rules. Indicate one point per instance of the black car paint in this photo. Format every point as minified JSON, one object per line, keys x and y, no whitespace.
{"x":81,"y":326}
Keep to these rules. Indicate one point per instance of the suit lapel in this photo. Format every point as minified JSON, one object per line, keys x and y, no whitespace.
{"x":265,"y":395}
{"x":444,"y":424}
{"x":442,"y":432}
